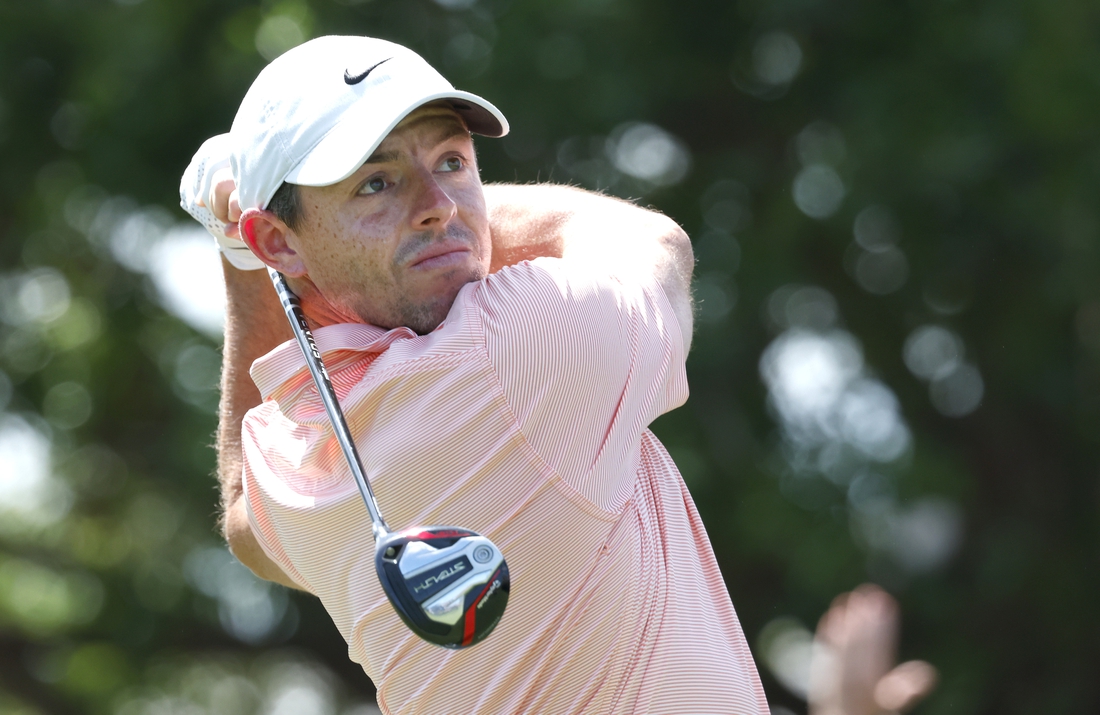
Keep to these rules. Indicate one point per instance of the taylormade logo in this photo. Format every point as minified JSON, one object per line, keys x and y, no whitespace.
{"x":439,"y":577}
{"x":491,"y":591}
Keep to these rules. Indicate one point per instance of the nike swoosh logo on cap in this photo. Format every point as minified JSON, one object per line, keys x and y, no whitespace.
{"x":360,"y":77}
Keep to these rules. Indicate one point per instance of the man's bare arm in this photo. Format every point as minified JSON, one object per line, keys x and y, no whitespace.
{"x":566,"y":222}
{"x":254,"y":325}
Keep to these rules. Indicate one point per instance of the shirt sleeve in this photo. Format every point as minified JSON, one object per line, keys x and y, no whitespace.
{"x":586,"y":362}
{"x":263,"y":480}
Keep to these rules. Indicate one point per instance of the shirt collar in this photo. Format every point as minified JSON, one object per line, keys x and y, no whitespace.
{"x":286,"y":360}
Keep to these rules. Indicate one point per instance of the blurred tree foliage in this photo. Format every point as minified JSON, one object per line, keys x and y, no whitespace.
{"x":896,"y":373}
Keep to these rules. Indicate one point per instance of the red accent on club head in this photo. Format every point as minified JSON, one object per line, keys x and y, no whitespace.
{"x":471,"y":612}
{"x":468,"y":633}
{"x":426,"y":535}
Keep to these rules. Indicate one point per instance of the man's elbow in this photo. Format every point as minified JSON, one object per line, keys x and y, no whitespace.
{"x":678,"y":260}
{"x":675,"y":276}
{"x":678,"y":244}
{"x":246,"y":547}
{"x":239,"y":537}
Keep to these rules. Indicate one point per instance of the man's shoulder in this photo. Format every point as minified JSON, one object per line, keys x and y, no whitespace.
{"x":550,"y":309}
{"x":548,"y":278}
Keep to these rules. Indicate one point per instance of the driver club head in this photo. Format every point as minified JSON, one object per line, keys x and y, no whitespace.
{"x":449,"y":585}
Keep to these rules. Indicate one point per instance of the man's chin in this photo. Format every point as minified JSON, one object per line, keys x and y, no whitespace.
{"x":446,"y":285}
{"x":424,"y":315}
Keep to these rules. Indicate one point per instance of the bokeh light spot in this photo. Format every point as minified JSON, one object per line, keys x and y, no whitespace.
{"x":24,"y":351}
{"x":44,"y":601}
{"x":67,"y":405}
{"x":776,"y":58}
{"x":80,"y":325}
{"x":875,"y":228}
{"x":795,"y":306}
{"x":883,"y":271}
{"x":725,"y":206}
{"x":30,"y":496}
{"x":455,"y":4}
{"x":277,"y":34}
{"x":958,"y":393}
{"x":818,"y":191}
{"x":920,"y":537}
{"x":196,"y":371}
{"x":587,"y":159}
{"x":715,"y":296}
{"x":931,"y":351}
{"x":69,"y":125}
{"x":647,"y":152}
{"x":38,"y":296}
{"x":249,"y":609}
{"x":188,"y":275}
{"x":786,"y":647}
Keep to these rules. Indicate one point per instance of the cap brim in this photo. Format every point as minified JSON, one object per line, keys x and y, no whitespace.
{"x":358,"y":134}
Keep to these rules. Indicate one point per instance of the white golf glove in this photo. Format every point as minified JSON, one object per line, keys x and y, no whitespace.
{"x":195,"y":187}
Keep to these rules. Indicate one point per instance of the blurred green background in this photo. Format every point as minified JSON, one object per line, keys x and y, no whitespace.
{"x":896,"y":371}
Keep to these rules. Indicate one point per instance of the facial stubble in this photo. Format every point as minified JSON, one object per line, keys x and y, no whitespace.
{"x":424,"y":315}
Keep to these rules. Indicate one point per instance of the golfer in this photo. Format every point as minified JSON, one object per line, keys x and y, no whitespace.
{"x":499,"y":353}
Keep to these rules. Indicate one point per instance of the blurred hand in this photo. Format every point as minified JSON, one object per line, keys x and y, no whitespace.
{"x":852,"y":671}
{"x":223,"y":201}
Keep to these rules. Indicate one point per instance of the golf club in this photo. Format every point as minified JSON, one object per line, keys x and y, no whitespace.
{"x":448,"y":584}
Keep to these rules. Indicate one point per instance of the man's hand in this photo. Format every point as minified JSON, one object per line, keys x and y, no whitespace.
{"x":206,"y":192}
{"x":223,"y":202}
{"x":855,"y":647}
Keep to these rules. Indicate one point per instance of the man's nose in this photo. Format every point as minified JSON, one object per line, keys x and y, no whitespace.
{"x":434,"y":206}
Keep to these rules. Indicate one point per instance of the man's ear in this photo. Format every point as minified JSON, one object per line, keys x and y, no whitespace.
{"x":266,"y":234}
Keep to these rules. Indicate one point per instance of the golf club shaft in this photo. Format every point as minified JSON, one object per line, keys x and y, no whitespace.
{"x":328,"y":396}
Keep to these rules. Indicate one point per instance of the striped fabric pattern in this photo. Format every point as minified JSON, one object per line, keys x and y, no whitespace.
{"x":524,"y":417}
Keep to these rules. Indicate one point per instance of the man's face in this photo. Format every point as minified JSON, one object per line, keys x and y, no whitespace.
{"x":393,"y":244}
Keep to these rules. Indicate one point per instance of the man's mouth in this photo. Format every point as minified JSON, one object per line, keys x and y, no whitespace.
{"x":440,"y":256}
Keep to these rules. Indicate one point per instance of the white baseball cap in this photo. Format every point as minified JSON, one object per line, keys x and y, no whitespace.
{"x":318,"y":111}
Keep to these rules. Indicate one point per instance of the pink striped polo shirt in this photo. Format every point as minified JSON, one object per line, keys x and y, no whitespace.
{"x":524,"y":417}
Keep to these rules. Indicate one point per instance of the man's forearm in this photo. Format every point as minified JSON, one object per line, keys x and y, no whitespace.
{"x":529,"y":221}
{"x":533,"y":220}
{"x":254,"y":325}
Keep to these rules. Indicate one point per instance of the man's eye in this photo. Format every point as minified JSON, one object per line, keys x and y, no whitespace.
{"x":373,"y":186}
{"x":452,"y":163}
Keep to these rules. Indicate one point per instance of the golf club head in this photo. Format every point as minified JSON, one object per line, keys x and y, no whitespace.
{"x":449,"y":585}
